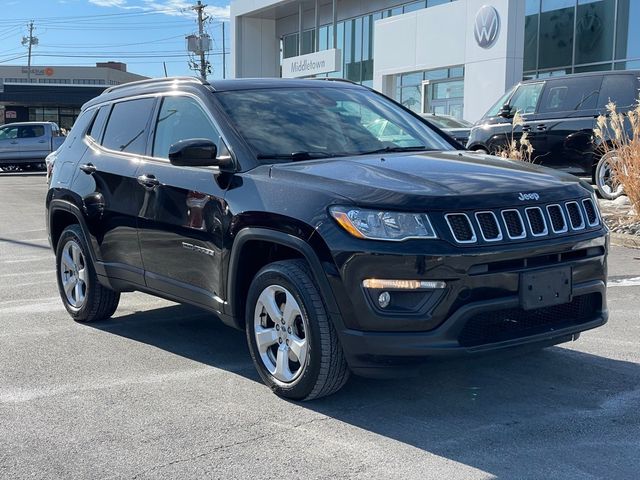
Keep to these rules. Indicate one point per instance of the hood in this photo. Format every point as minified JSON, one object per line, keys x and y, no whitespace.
{"x":437,"y":180}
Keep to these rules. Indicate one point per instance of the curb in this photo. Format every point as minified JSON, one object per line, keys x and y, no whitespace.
{"x":625,"y":240}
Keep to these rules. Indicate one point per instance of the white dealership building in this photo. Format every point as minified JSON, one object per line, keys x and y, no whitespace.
{"x":445,"y":56}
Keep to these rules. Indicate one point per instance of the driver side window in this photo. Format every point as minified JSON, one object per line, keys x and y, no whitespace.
{"x":181,"y":118}
{"x":525,"y":99}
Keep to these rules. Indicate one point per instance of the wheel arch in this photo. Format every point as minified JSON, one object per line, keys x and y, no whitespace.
{"x":63,"y":213}
{"x":255,"y":248}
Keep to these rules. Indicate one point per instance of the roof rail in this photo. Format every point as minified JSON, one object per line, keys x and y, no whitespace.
{"x":152,"y":81}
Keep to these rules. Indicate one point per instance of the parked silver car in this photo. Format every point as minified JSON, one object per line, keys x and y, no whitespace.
{"x":27,"y":144}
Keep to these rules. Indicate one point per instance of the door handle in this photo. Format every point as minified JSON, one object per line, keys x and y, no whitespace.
{"x":541,"y":128}
{"x":526,"y":128}
{"x":42,"y":141}
{"x":148,"y":181}
{"x":88,"y":168}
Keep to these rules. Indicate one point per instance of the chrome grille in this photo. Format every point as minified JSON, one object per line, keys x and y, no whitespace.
{"x":575,"y":216}
{"x":590,"y":210}
{"x":558,"y":219}
{"x":461,"y":227}
{"x":537,"y":223}
{"x":514,"y":224}
{"x":520,"y":223}
{"x":489,"y":227}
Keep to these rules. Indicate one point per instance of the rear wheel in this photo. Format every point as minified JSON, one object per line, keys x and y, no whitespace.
{"x":291,"y":338}
{"x":83,"y":296}
{"x":606,"y":182}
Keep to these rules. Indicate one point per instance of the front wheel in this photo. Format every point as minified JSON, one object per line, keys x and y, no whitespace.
{"x":606,"y":182}
{"x":293,"y":343}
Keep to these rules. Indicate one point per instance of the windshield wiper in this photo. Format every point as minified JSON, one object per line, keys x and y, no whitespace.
{"x":293,"y":156}
{"x":419,"y":148}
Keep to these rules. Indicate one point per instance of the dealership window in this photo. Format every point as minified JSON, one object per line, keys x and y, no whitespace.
{"x":443,"y":95}
{"x":574,"y":36}
{"x":627,"y":31}
{"x":594,"y":31}
{"x":354,"y":39}
{"x":63,"y":116}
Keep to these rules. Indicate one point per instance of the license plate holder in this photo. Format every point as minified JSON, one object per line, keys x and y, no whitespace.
{"x":545,"y":288}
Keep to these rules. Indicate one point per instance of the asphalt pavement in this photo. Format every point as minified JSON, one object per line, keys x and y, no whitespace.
{"x":166,"y":391}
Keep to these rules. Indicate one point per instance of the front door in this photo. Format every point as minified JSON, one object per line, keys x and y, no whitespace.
{"x":181,"y":221}
{"x":8,"y":142}
{"x":443,"y":97}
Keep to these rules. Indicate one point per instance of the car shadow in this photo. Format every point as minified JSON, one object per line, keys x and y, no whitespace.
{"x":187,"y":331}
{"x":558,"y":409}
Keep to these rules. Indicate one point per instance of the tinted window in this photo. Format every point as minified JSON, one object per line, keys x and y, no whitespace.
{"x":571,"y":94}
{"x":525,"y":98}
{"x":97,"y":127}
{"x":620,"y":89}
{"x":28,"y":131}
{"x":181,"y":118}
{"x":127,"y":126}
{"x":323,"y":121}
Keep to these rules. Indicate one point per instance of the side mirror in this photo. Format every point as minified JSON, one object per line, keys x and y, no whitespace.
{"x":505,"y":111}
{"x":197,"y":152}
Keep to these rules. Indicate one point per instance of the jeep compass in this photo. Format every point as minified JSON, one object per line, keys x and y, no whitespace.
{"x":274,"y":205}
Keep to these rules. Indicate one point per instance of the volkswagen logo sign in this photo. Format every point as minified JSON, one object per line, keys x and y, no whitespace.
{"x":487,"y":26}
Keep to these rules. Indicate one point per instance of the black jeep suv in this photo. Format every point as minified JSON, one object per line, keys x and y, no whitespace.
{"x":272,"y":204}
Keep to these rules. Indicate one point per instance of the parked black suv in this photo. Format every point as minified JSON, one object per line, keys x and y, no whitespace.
{"x":559,"y":116}
{"x":272,"y":205}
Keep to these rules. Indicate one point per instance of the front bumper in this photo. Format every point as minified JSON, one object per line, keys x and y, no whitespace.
{"x":480,"y":310}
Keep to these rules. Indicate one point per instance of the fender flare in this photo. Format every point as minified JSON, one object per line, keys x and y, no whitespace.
{"x":66,"y":206}
{"x":287,"y":240}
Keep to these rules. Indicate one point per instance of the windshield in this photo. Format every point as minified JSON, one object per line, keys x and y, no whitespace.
{"x":304,"y":123}
{"x":447,"y":122}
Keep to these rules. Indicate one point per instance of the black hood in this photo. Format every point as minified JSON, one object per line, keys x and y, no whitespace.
{"x":438,"y":180}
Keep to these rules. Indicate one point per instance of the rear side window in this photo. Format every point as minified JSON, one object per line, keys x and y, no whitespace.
{"x":30,"y":131}
{"x":570,"y":94}
{"x":127,"y":126}
{"x":620,"y":89}
{"x":97,"y":127}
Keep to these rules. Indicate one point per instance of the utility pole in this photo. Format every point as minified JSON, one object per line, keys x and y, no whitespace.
{"x":199,"y":7}
{"x":29,"y":41}
{"x":224,"y":55}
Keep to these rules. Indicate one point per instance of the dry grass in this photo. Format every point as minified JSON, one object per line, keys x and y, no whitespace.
{"x":620,"y":133}
{"x":516,"y":149}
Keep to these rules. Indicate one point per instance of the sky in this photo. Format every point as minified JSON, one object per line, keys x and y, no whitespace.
{"x":141,"y":33}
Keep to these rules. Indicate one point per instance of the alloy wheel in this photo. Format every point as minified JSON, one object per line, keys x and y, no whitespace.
{"x":280,"y":328}
{"x":73,"y":273}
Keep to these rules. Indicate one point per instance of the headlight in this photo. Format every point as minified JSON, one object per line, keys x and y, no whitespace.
{"x":377,"y":225}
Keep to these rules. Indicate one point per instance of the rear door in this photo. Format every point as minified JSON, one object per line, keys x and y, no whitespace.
{"x":565,"y":121}
{"x":182,"y":218}
{"x":107,"y":182}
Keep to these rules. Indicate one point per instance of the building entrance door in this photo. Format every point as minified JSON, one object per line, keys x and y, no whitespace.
{"x":443,"y":97}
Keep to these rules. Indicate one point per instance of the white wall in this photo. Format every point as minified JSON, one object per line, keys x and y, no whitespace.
{"x":443,"y":36}
{"x":256,"y":50}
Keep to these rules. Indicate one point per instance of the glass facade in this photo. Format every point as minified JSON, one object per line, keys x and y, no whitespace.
{"x":354,"y":39}
{"x":444,"y":93}
{"x":573,"y":36}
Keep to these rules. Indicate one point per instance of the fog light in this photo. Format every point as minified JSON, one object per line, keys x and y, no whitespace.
{"x":384,"y":299}
{"x":375,"y":283}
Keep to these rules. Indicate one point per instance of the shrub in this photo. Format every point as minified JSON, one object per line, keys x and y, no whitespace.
{"x":516,"y":149}
{"x":620,"y":133}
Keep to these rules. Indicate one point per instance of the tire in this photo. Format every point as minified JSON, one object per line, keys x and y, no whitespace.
{"x":480,"y":150}
{"x":86,"y":300}
{"x":314,"y":365}
{"x":606,"y":185}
